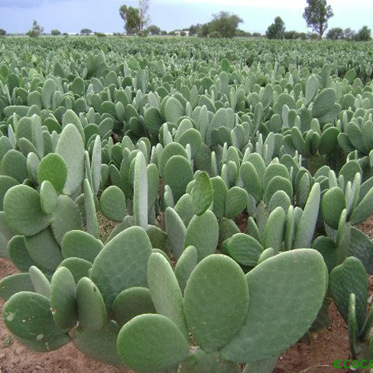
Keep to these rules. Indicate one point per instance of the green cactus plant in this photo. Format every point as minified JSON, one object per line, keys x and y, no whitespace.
{"x":132,"y":302}
{"x":70,"y":148}
{"x":165,"y":291}
{"x":23,"y":211}
{"x":349,"y":287}
{"x":90,"y":308}
{"x":220,"y":344}
{"x":63,"y":298}
{"x":34,"y":324}
{"x":129,"y":251}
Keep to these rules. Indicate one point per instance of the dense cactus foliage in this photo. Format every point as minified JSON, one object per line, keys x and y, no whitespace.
{"x":179,"y":142}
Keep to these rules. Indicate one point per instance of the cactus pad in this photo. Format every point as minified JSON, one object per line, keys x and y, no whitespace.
{"x":53,"y":168}
{"x":162,"y":346}
{"x":131,"y":303}
{"x":165,"y":291}
{"x":122,"y":264}
{"x":23,"y":211}
{"x":216,"y":284}
{"x":63,"y":298}
{"x":28,"y":316}
{"x":13,"y":284}
{"x":205,"y":240}
{"x":91,"y":307}
{"x":289,"y":287}
{"x":113,"y":203}
{"x":81,"y":245}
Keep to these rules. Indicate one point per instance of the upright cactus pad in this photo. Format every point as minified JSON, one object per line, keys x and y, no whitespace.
{"x":202,"y":193}
{"x":205,"y":240}
{"x":29,"y":317}
{"x":40,"y":282}
{"x":177,"y":175}
{"x":176,"y":231}
{"x":216,"y":284}
{"x":63,"y":298}
{"x":18,"y":253}
{"x":113,"y":203}
{"x":289,"y":287}
{"x":132,"y":302}
{"x":13,"y":284}
{"x":53,"y":168}
{"x":151,"y":343}
{"x":70,"y":148}
{"x":90,"y":305}
{"x":350,"y":277}
{"x":44,"y":250}
{"x":185,"y":266}
{"x":80,"y":244}
{"x":48,"y":197}
{"x":23,"y":211}
{"x":140,"y":197}
{"x":127,"y":253}
{"x":6,"y":182}
{"x":165,"y":291}
{"x":66,"y":217}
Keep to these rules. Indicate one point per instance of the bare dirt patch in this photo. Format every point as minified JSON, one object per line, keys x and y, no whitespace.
{"x":326,"y":346}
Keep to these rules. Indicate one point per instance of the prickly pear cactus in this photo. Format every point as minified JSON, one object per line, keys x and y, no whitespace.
{"x":29,"y":317}
{"x":233,"y":188}
{"x":245,"y":331}
{"x":261,"y":336}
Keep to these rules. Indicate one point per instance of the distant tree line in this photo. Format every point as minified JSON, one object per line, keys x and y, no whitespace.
{"x":222,"y":25}
{"x":337,"y":33}
{"x":277,"y":31}
{"x":225,"y":25}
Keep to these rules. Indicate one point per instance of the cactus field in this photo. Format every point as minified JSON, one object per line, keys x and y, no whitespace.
{"x":233,"y":177}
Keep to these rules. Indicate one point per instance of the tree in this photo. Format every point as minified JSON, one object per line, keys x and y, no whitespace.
{"x":293,"y":35}
{"x":349,"y":34}
{"x":2,"y":32}
{"x":56,"y":32}
{"x":85,"y":31}
{"x":312,"y":36}
{"x":36,"y":30}
{"x":143,"y":13}
{"x":154,"y":30}
{"x":317,"y":14}
{"x":335,"y":33}
{"x":223,"y":23}
{"x":135,"y":19}
{"x":243,"y":34}
{"x":215,"y":34}
{"x":364,"y":34}
{"x":276,"y":30}
{"x":194,"y":29}
{"x":204,"y":31}
{"x":131,"y":18}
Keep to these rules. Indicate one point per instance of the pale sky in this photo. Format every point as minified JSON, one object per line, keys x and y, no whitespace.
{"x":16,"y":16}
